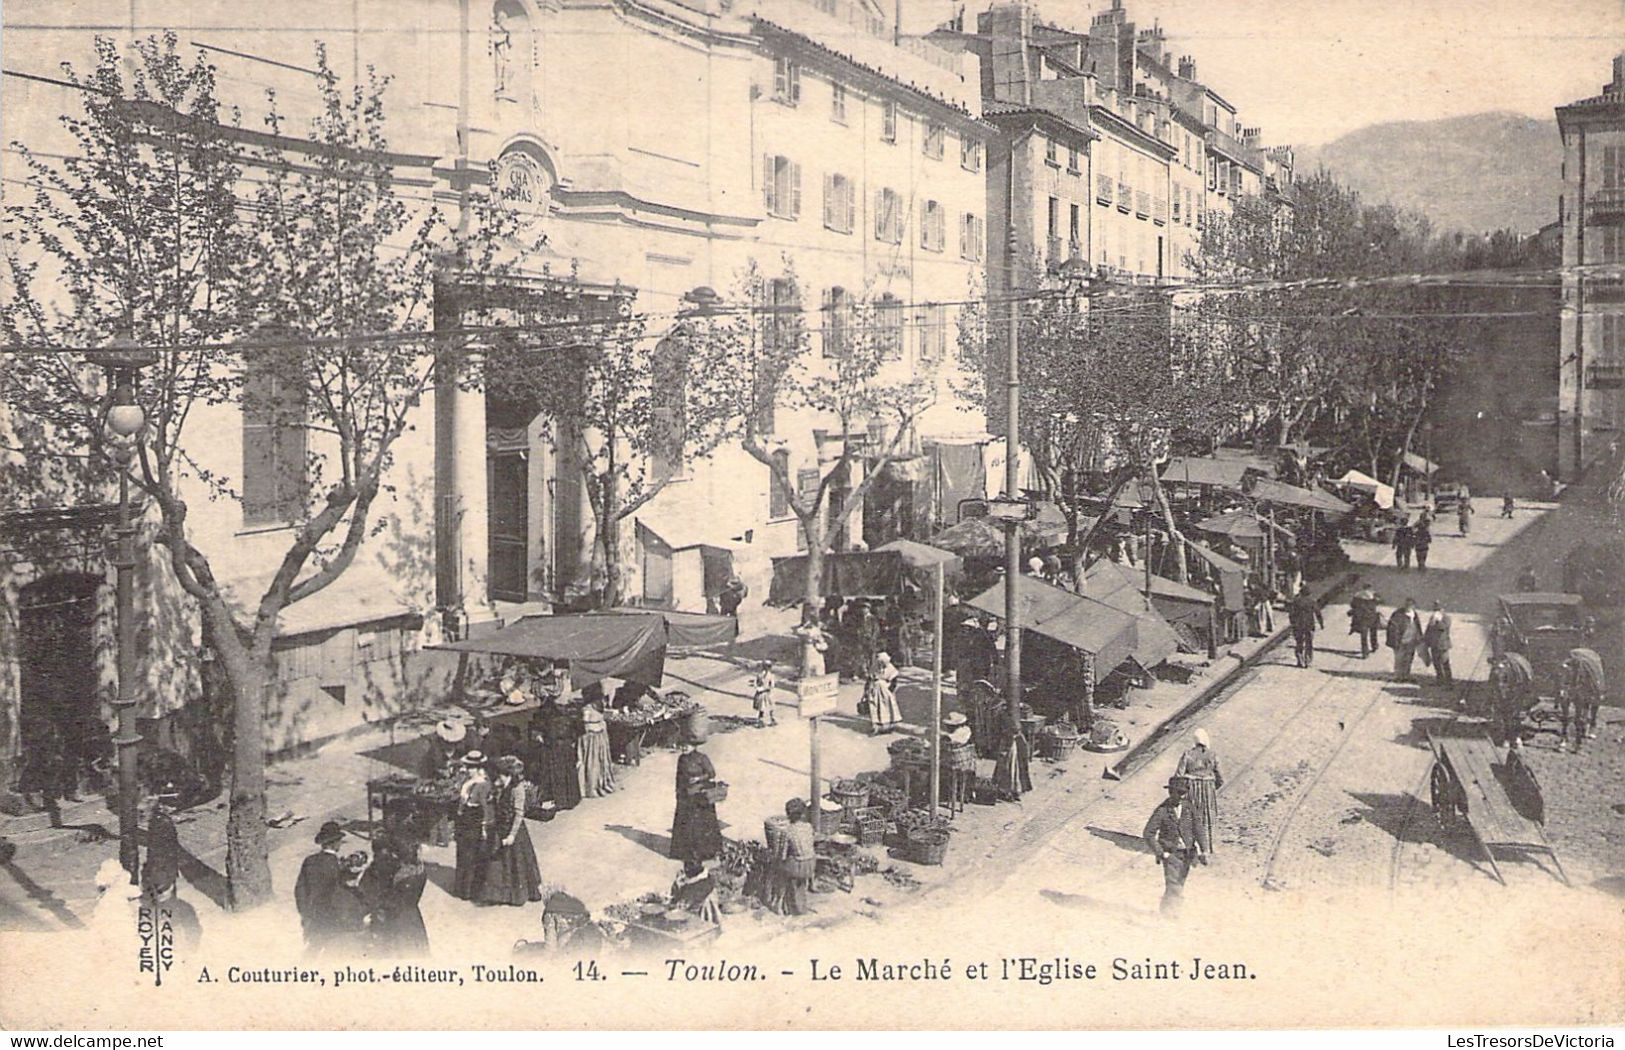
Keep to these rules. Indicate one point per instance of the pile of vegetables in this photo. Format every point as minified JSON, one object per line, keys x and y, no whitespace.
{"x":652,"y":708}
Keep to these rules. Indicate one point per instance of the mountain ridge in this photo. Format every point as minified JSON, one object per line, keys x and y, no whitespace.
{"x":1473,"y":173}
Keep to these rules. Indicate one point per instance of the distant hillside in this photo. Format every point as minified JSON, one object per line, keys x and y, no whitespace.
{"x":1477,"y":173}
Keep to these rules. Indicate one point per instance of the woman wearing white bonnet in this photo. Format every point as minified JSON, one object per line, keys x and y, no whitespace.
{"x":1199,"y":768}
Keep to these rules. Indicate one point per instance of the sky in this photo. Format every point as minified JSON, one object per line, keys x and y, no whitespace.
{"x":1307,"y":71}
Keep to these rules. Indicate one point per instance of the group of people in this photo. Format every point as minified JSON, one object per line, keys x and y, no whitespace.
{"x":1414,"y":539}
{"x":350,"y":904}
{"x":1180,"y":831}
{"x":496,"y":863}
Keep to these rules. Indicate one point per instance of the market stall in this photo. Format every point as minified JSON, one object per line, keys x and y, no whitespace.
{"x":1187,"y":610}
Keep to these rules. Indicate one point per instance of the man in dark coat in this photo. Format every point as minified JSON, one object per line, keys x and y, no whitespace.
{"x":1171,"y":834}
{"x":1436,"y":636}
{"x":1365,"y":619}
{"x":163,"y":867}
{"x":1422,"y":538}
{"x":1404,"y":541}
{"x":1304,"y":615}
{"x":320,"y":880}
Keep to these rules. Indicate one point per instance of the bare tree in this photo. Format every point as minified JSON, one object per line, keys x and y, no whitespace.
{"x":305,"y":302}
{"x":755,"y":363}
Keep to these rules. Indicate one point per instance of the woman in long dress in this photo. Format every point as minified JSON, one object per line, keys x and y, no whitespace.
{"x":561,"y":729}
{"x":597,"y":770}
{"x":695,"y":832}
{"x":471,"y":826}
{"x":394,"y":885}
{"x":881,"y":692}
{"x":511,"y":875}
{"x":1012,"y":775}
{"x":1199,"y":766}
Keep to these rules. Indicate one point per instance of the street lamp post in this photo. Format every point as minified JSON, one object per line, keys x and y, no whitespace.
{"x":122,"y":360}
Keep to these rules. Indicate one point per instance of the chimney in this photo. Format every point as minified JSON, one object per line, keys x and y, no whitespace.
{"x":1619,"y":76}
{"x":1187,"y":67}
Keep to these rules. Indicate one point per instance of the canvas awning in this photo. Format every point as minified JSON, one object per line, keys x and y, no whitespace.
{"x":1279,"y":492}
{"x":1212,"y":473}
{"x":1109,"y":635}
{"x":971,"y":538}
{"x":1420,"y":464}
{"x":1176,"y":603}
{"x":1232,"y":577}
{"x":690,"y":629}
{"x":1240,"y":525}
{"x":923,"y":556}
{"x":1382,"y":494}
{"x":1154,"y":639}
{"x":630,"y":646}
{"x":858,"y":574}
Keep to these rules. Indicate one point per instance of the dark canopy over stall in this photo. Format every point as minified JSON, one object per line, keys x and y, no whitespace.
{"x":629,"y":646}
{"x":688,"y":628}
{"x":1178,"y":603}
{"x":1154,"y":639}
{"x":1279,"y":492}
{"x":1086,"y":624}
{"x":863,"y":574}
{"x":1232,"y":577}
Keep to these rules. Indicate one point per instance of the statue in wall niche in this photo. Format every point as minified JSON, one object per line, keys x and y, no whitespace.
{"x":502,"y":50}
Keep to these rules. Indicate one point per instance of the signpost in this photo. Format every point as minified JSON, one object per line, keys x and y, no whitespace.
{"x":816,"y":697}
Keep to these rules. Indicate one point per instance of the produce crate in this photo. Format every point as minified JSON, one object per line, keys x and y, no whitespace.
{"x":1054,"y":744}
{"x":867,"y":824}
{"x":851,"y":794}
{"x":927,"y":845}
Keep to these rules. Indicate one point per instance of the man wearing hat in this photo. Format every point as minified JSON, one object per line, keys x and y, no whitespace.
{"x":1171,"y":834}
{"x":320,"y":879}
{"x":449,"y":742}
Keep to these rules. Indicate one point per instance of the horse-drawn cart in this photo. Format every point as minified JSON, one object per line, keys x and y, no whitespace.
{"x":1497,"y":802}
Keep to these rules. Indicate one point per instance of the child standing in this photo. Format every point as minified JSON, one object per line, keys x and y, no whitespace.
{"x":762,"y":694}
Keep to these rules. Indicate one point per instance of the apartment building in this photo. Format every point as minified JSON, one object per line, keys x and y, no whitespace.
{"x":1591,"y":369}
{"x":1150,"y":148}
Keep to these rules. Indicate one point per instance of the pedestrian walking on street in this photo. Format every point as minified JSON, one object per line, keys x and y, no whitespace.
{"x":394,"y":885}
{"x":510,"y":875}
{"x":316,"y":889}
{"x":1582,"y":688}
{"x":471,"y":827}
{"x":695,"y":832}
{"x":1304,"y":616}
{"x":1404,"y":636}
{"x":1404,"y":542}
{"x":1199,"y":766}
{"x":1012,"y":774}
{"x":880,"y":695}
{"x":1365,"y":619}
{"x":1422,"y":539}
{"x":761,"y":694}
{"x":1171,"y":834}
{"x":1506,"y":505}
{"x":1464,"y":514}
{"x":732,"y":597}
{"x":1436,"y":636}
{"x":1513,"y":681}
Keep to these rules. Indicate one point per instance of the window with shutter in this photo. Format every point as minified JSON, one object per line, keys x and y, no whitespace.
{"x":806,"y":487}
{"x":932,"y":143}
{"x":837,"y":321}
{"x":276,"y":471}
{"x":888,"y":121}
{"x":889,"y":322}
{"x":837,"y":111}
{"x":933,"y":329}
{"x":778,"y":497}
{"x":794,"y":172}
{"x":770,"y":181}
{"x":786,"y":81}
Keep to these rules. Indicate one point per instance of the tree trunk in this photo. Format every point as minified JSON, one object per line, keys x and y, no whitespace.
{"x":609,"y":537}
{"x":1175,"y":541}
{"x":248,"y":869}
{"x":813,"y":593}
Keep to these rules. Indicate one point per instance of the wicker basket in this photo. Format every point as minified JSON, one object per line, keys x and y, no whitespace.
{"x":867,"y":824}
{"x":853,"y":795}
{"x":717,"y":792}
{"x":1056,"y":742}
{"x":961,"y":757}
{"x":773,"y":829}
{"x":927,"y":845}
